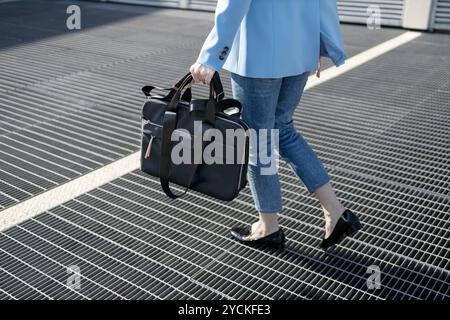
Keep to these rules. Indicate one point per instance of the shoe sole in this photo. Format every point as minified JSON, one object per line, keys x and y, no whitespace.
{"x":280,"y":246}
{"x":354,"y":230}
{"x":351,"y":233}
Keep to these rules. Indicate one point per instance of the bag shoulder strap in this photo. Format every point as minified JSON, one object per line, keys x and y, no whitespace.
{"x":169,"y":125}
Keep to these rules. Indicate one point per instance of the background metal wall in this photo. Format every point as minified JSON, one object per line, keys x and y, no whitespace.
{"x":350,"y":10}
{"x":441,"y":15}
{"x":359,"y":10}
{"x":353,"y":11}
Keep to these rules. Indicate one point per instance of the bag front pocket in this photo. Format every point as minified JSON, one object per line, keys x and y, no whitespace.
{"x":151,"y":148}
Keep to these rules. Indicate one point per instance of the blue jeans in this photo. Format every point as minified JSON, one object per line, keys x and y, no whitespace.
{"x":270,"y":104}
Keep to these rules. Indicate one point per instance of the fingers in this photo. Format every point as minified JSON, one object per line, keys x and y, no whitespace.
{"x":208,"y":76}
{"x":201,"y":73}
{"x":319,"y":68}
{"x":195,"y":73}
{"x":205,"y":74}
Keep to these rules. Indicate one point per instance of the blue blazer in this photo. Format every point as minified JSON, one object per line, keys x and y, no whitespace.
{"x":273,"y":38}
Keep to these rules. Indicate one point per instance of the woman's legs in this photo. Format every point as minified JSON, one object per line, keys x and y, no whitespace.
{"x":300,"y":156}
{"x":270,"y":104}
{"x":259,"y":98}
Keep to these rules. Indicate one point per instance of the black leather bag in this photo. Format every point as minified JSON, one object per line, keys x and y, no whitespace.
{"x":165,"y":115}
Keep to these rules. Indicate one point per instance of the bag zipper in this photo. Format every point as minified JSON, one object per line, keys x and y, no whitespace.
{"x":151,"y":123}
{"x":149,"y":148}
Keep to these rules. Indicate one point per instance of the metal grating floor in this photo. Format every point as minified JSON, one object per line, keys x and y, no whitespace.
{"x":381,"y":129}
{"x":70,"y":100}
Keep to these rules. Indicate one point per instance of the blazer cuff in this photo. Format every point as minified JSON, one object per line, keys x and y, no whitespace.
{"x":330,"y":50}
{"x":206,"y":59}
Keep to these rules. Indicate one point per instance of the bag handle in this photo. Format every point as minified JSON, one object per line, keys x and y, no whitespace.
{"x":187,"y":95}
{"x":216,"y":84}
{"x":215,"y":87}
{"x":210,"y":110}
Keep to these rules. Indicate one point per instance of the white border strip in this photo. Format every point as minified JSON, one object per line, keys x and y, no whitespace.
{"x":58,"y":195}
{"x":65,"y":192}
{"x":7,"y":1}
{"x":362,"y":58}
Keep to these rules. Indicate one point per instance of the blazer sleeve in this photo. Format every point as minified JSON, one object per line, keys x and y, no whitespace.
{"x":331,"y":42}
{"x":228,"y":17}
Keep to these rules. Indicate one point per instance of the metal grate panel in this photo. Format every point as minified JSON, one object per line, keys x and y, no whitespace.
{"x":129,"y":223}
{"x":441,"y":15}
{"x":358,"y":11}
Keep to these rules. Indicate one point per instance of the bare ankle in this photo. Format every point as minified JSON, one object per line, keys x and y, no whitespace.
{"x":333,"y":212}
{"x":268,"y":223}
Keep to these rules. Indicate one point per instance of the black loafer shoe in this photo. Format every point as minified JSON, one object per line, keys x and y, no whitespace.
{"x":275,"y":239}
{"x":347,"y":225}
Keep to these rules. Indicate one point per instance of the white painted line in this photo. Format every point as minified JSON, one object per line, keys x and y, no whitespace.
{"x":362,"y":58}
{"x":6,"y":1}
{"x":58,"y":195}
{"x":72,"y":189}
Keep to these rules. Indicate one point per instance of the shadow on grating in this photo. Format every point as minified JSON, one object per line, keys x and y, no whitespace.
{"x":133,"y":243}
